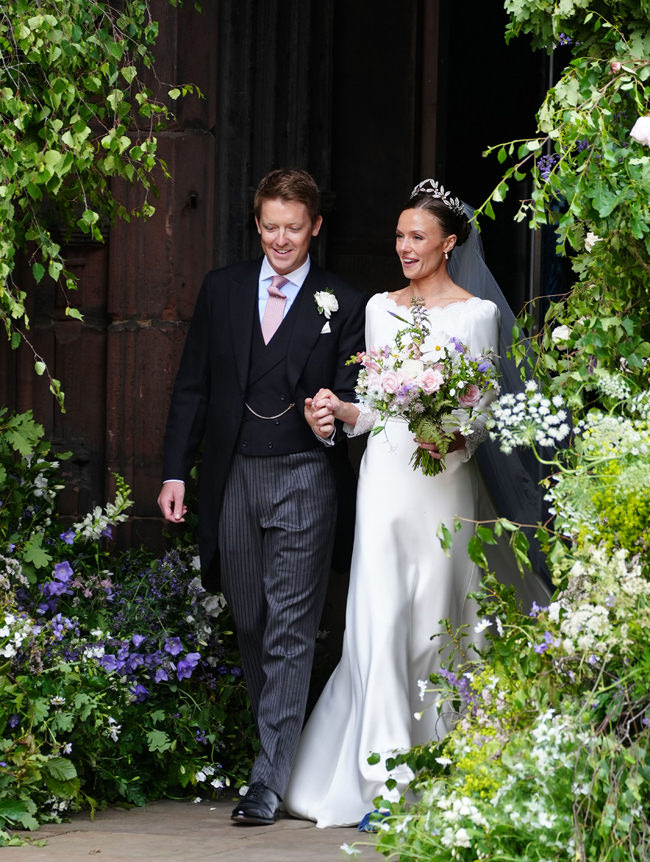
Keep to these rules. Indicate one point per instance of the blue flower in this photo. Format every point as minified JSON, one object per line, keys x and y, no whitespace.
{"x":161,"y":675}
{"x":68,"y":537}
{"x":186,"y":665}
{"x":173,"y":646}
{"x":107,"y":532}
{"x":140,"y":693}
{"x":54,"y":588}
{"x":63,"y":571}
{"x":136,"y":640}
{"x":108,"y":662}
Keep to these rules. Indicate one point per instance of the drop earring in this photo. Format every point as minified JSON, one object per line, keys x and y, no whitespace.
{"x":446,"y":255}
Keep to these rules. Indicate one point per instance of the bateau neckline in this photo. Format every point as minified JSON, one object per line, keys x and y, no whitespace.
{"x":432,"y":307}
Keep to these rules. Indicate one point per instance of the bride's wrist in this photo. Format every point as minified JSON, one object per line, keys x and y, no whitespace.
{"x":347,"y":413}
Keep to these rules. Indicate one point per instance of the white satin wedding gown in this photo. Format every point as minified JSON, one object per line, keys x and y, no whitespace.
{"x":401,"y":585}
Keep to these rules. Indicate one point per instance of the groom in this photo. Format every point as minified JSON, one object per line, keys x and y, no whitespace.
{"x":266,"y":335}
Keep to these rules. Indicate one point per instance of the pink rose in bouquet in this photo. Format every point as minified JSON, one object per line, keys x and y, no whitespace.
{"x":471,"y":396}
{"x":431,"y":380}
{"x":390,"y":382}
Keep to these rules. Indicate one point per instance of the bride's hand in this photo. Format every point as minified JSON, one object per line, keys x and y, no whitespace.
{"x":457,"y":444}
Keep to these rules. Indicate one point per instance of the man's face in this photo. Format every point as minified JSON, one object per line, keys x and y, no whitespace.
{"x":285,"y":231}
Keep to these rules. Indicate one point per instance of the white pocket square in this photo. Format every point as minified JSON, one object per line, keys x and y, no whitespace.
{"x":326,"y":327}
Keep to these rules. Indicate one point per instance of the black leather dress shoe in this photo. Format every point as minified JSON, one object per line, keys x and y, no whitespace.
{"x":258,"y":808}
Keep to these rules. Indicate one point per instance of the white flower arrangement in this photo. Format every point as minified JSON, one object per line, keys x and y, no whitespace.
{"x":528,"y":419}
{"x":326,"y":302}
{"x":640,"y":131}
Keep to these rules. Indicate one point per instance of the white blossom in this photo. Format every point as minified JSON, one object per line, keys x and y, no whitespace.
{"x":640,"y":131}
{"x":591,"y":239}
{"x":560,"y":334}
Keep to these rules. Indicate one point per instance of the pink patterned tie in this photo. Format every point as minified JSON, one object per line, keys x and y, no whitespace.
{"x":274,"y":307}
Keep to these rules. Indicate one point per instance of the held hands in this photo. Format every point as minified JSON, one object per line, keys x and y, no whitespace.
{"x":170,"y":501}
{"x":320,"y":412}
{"x":324,"y":408}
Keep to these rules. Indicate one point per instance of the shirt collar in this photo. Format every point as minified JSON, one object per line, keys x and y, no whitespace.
{"x":296,"y":277}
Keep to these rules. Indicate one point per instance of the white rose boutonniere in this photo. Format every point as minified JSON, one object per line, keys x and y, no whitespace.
{"x":326,"y":302}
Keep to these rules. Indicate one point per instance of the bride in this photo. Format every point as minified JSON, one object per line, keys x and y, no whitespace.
{"x":402,"y":585}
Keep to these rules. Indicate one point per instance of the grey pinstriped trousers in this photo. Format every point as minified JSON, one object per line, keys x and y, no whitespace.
{"x":276,"y":532}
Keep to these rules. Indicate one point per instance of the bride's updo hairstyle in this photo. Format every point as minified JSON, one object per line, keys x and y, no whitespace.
{"x":449,"y":211}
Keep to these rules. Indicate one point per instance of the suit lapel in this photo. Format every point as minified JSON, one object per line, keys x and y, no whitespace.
{"x":243,"y":306}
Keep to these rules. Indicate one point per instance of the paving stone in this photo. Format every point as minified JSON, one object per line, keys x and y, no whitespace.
{"x":185,"y":832}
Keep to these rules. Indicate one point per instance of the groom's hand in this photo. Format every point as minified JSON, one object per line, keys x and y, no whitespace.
{"x":319,"y":417}
{"x":170,"y":501}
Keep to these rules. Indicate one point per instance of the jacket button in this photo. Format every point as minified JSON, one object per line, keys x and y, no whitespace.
{"x":277,"y":422}
{"x":269,"y":445}
{"x":244,"y":444}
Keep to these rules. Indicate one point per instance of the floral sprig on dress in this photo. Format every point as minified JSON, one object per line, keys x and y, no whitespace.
{"x":326,"y":302}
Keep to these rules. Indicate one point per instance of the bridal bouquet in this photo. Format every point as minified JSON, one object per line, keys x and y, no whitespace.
{"x":437,"y":390}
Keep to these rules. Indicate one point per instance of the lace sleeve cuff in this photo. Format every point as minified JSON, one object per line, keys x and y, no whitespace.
{"x":478,"y":435}
{"x":365,"y":421}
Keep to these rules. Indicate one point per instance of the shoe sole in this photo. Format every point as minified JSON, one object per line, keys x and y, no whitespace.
{"x":243,"y":820}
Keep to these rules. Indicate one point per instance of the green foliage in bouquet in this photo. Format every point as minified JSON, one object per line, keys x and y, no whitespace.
{"x":119,"y":675}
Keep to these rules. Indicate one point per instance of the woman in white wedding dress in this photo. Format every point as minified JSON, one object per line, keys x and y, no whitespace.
{"x":401,"y":582}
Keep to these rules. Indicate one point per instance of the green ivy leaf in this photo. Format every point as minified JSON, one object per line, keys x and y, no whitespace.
{"x":34,"y":553}
{"x":158,"y":740}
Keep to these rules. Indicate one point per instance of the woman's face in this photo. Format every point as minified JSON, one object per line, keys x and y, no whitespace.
{"x":420,"y":244}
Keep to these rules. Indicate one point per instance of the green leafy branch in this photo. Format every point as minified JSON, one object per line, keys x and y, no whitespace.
{"x":75,"y":115}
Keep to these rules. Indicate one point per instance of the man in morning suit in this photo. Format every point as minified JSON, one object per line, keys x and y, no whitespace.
{"x":267,"y":499}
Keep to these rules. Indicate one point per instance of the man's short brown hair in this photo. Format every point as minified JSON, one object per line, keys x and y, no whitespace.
{"x":289,"y":184}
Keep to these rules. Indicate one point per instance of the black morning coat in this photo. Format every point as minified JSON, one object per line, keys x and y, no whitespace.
{"x":210,"y":389}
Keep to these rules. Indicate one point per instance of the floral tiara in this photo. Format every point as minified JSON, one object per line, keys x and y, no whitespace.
{"x":433,"y":188}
